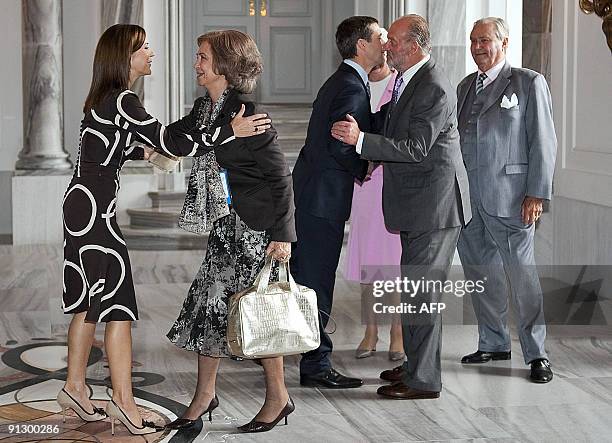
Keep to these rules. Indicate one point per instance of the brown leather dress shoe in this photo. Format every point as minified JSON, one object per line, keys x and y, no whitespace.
{"x":395,"y":374}
{"x":400,"y":391}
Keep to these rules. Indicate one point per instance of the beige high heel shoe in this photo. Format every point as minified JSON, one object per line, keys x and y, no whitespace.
{"x":115,"y":413}
{"x":66,"y":401}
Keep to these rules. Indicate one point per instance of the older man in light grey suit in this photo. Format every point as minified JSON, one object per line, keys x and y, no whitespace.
{"x":509,"y":146}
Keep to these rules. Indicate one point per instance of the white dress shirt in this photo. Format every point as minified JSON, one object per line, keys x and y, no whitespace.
{"x":492,"y":73}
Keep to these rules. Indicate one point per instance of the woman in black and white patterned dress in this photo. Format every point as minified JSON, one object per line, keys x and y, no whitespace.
{"x":97,"y":276}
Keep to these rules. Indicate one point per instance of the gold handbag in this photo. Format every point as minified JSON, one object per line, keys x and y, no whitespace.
{"x":273,"y":319}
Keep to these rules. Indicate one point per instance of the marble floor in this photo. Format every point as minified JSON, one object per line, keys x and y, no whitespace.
{"x":491,"y":402}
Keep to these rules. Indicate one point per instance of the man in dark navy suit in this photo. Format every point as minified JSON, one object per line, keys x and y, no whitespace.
{"x":323,"y":180}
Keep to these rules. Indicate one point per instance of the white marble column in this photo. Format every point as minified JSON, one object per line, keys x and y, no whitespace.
{"x":121,"y":11}
{"x":124,"y":11}
{"x":43,"y":146}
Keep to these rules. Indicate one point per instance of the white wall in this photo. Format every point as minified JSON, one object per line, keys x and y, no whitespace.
{"x":154,"y":22}
{"x":81,"y":30}
{"x":373,"y":8}
{"x":11,"y":128}
{"x":582,"y":94}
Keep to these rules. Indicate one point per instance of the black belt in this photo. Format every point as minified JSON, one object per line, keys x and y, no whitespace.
{"x":98,"y":170}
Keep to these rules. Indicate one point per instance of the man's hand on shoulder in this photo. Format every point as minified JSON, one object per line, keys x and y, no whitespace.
{"x":347,"y":131}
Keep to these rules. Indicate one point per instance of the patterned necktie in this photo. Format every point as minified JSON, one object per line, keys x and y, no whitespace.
{"x":399,"y":81}
{"x":480,"y":82}
{"x":368,"y":90}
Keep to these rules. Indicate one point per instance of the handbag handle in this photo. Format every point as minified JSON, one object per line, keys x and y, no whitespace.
{"x":263,"y":279}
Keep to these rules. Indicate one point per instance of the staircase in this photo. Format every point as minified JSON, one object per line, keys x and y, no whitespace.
{"x":155,"y":227}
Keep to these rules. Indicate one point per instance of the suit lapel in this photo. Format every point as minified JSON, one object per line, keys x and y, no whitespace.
{"x":406,"y":96}
{"x":231,"y":105}
{"x":464,"y":92}
{"x":499,"y":86}
{"x":347,"y":68}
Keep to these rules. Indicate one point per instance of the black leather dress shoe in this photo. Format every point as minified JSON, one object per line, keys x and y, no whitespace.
{"x":330,"y":379}
{"x":395,"y":374}
{"x":540,"y":371}
{"x":400,"y":391}
{"x":483,"y":357}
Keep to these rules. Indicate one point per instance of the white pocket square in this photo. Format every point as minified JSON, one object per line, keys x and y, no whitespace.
{"x":508,"y":104}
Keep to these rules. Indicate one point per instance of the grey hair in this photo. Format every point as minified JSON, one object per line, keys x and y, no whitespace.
{"x":501,"y":27}
{"x":419,"y":32}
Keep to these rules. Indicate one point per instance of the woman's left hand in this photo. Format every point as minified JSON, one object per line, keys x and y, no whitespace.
{"x":252,"y":125}
{"x":147,"y":151}
{"x":279,"y":250}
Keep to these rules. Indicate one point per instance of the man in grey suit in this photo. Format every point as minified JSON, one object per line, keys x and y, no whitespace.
{"x":509,"y":146}
{"x":425,"y":194}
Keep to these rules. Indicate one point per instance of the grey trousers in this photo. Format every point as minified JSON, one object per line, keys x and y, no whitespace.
{"x":426,"y":254}
{"x":501,"y":249}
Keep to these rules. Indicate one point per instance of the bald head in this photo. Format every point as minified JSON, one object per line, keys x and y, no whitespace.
{"x":416,"y":28}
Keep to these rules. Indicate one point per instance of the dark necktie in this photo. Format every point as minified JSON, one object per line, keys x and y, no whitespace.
{"x":480,"y":82}
{"x":368,"y":90}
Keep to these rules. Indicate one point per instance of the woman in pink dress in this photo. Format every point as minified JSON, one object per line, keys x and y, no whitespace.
{"x":370,"y":244}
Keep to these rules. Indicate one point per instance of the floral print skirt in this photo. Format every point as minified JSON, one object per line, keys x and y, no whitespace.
{"x":234,"y":256}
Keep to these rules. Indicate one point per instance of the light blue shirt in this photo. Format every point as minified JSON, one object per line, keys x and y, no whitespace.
{"x":362,"y":73}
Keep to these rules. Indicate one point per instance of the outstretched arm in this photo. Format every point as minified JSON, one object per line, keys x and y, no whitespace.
{"x":183,"y":137}
{"x":412,"y":141}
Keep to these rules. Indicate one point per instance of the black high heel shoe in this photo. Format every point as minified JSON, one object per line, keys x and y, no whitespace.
{"x":184,"y":423}
{"x":261,"y":426}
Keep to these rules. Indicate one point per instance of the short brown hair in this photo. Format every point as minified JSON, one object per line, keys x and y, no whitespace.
{"x":235,"y":55}
{"x":111,"y":65}
{"x":350,"y":31}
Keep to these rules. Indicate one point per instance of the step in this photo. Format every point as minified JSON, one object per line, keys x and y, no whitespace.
{"x":167,"y":199}
{"x":284,"y":113}
{"x":291,"y":144}
{"x":162,"y":239}
{"x":168,"y":239}
{"x":137,"y":167}
{"x":297,"y":128}
{"x":154,"y":217}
